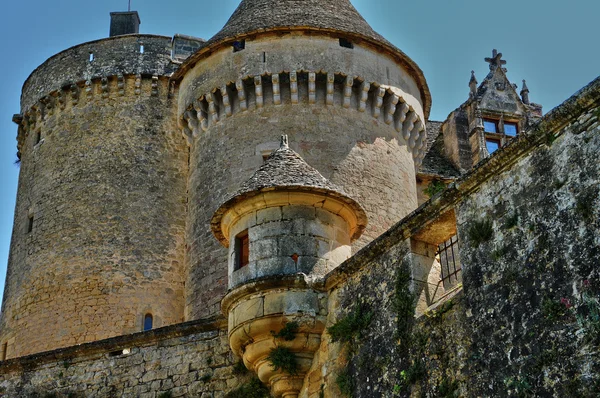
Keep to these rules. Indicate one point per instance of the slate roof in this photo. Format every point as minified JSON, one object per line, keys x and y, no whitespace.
{"x":435,"y":163}
{"x":285,"y":170}
{"x":254,"y":16}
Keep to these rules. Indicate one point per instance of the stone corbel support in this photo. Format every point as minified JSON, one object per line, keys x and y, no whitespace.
{"x":239,"y":86}
{"x":348,"y":91}
{"x":330,"y":88}
{"x":312,"y":88}
{"x":276,"y":89}
{"x":294,"y":86}
{"x":390,"y":108}
{"x":258,"y":90}
{"x":226,"y":102}
{"x":364,"y":95}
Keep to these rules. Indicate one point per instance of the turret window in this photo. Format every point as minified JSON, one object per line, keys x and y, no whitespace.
{"x":242,"y":250}
{"x":147,"y":322}
{"x":239,"y":45}
{"x":492,"y":145}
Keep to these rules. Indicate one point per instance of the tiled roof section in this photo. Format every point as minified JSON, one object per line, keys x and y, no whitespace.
{"x":285,"y":168}
{"x":435,"y":163}
{"x":254,"y":15}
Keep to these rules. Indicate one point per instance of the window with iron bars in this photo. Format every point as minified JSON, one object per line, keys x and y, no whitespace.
{"x":449,"y":259}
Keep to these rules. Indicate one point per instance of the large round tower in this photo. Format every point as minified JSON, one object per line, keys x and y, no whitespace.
{"x":354,"y":107}
{"x":98,"y":240}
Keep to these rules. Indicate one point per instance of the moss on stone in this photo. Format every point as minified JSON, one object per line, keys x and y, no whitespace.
{"x":288,"y":332}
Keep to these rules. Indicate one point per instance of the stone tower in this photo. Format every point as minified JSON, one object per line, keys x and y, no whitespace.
{"x":353,"y":105}
{"x":98,"y":237}
{"x":287,"y":225}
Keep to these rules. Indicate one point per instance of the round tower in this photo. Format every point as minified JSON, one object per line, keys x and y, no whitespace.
{"x":354,"y":106}
{"x":284,"y":227}
{"x":98,"y":239}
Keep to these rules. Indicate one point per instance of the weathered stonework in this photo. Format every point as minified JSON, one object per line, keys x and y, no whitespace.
{"x":136,"y":157}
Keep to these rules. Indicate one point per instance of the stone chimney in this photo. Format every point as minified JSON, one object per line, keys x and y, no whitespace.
{"x":124,"y":23}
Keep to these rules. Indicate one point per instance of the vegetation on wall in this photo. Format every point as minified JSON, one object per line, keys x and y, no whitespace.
{"x":434,"y":187}
{"x":283,"y":358}
{"x":480,"y":231}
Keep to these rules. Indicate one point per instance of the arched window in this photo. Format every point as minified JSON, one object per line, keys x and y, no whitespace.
{"x":147,"y":322}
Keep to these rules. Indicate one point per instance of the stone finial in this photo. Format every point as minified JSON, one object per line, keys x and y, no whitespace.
{"x":496,"y":60}
{"x":284,"y":141}
{"x":525,"y":93}
{"x":473,"y":84}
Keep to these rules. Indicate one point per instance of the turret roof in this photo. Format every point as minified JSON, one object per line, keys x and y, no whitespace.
{"x":285,"y":170}
{"x":328,"y":16}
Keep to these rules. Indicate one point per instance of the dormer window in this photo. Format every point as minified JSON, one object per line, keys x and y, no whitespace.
{"x":490,"y":126}
{"x":510,"y":129}
{"x":492,"y":145}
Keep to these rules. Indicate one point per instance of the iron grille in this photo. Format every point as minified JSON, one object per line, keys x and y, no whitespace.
{"x":449,"y":260}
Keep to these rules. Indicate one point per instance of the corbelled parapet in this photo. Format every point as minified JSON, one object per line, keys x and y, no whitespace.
{"x":285,"y":226}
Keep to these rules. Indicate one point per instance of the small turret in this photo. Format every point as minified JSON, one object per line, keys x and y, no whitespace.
{"x":525,"y":93}
{"x":286,"y":226}
{"x":473,"y":84}
{"x":124,"y":23}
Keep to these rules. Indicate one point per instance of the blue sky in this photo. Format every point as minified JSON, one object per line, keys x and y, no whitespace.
{"x":553,"y":44}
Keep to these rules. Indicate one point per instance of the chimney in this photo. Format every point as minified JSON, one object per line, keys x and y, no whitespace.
{"x":124,"y":23}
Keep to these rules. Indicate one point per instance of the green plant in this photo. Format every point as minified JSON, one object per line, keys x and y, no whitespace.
{"x":322,"y":391}
{"x":480,"y":231}
{"x":403,"y":304}
{"x":165,"y":394}
{"x":206,"y":378}
{"x":499,"y":252}
{"x":415,"y":372}
{"x":448,"y":388}
{"x":511,"y":221}
{"x":550,"y":138}
{"x":345,"y":383}
{"x":251,"y":389}
{"x":288,"y":332}
{"x":434,"y":187}
{"x":590,"y":321}
{"x":239,"y":368}
{"x":519,"y":385}
{"x":351,"y":326}
{"x":284,"y":359}
{"x":585,"y":203}
{"x":209,"y":361}
{"x":553,"y":310}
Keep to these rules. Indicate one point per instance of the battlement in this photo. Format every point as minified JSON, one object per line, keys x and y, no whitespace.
{"x":144,"y":55}
{"x":384,"y":103}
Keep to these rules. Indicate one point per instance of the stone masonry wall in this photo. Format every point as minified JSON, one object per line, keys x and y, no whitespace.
{"x":99,"y":224}
{"x":187,"y":360}
{"x":526,"y":322}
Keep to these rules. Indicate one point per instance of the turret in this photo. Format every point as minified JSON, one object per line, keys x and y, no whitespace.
{"x":354,"y":107}
{"x":286,"y":226}
{"x":97,"y":249}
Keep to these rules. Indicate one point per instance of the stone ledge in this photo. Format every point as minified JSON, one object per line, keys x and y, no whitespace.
{"x":213,"y":324}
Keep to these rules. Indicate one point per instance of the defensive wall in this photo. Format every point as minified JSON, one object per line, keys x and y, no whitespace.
{"x":524,"y":322}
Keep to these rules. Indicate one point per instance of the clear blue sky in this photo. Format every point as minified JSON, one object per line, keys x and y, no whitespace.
{"x":553,"y":44}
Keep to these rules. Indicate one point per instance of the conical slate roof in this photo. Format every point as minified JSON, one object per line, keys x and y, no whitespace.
{"x":285,"y":170}
{"x":253,"y":15}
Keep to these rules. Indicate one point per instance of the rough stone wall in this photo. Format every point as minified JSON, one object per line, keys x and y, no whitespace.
{"x":187,"y":360}
{"x":317,"y":237}
{"x":526,"y":322}
{"x":364,"y":152}
{"x":105,"y":187}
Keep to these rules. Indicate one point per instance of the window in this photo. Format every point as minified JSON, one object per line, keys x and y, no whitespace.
{"x":346,"y":43}
{"x":239,"y":45}
{"x":510,"y":129}
{"x":147,"y":322}
{"x":91,"y":57}
{"x":492,"y":145}
{"x":448,"y":256}
{"x":242,"y":250}
{"x":38,"y":137}
{"x":141,"y":48}
{"x":30,"y":224}
{"x":490,"y":126}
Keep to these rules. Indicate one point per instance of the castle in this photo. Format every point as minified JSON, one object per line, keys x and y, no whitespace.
{"x":272,"y":208}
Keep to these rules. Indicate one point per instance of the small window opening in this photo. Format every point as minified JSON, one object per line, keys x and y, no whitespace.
{"x":242,"y":250}
{"x":239,"y":45}
{"x":119,"y":352}
{"x":30,"y":224}
{"x":4,"y":349}
{"x":264,"y":57}
{"x":510,"y":129}
{"x":147,"y":322}
{"x":346,"y":43}
{"x":490,"y":126}
{"x":492,"y":145}
{"x":38,"y":137}
{"x":141,"y":48}
{"x":91,"y":56}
